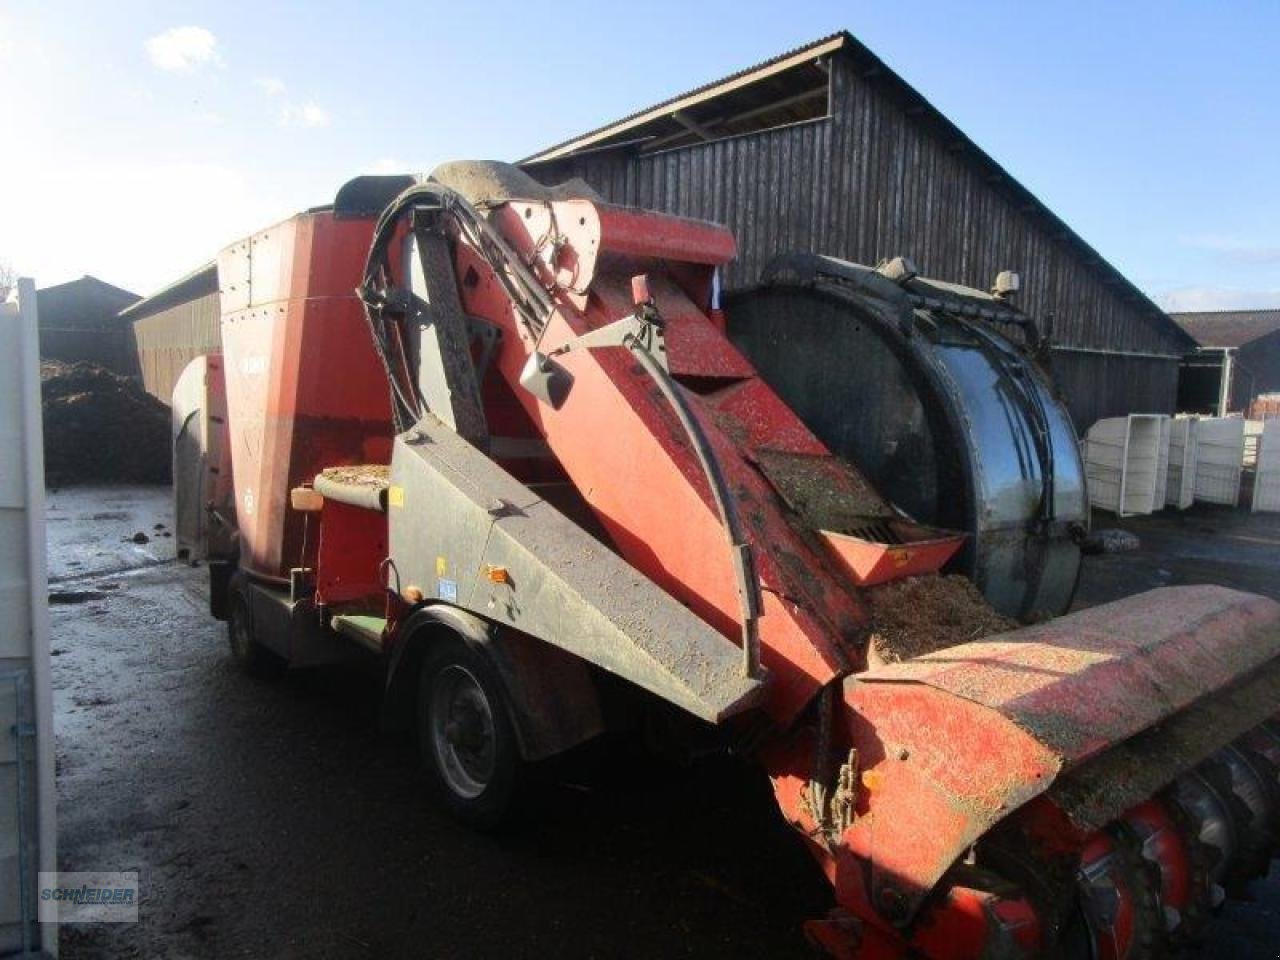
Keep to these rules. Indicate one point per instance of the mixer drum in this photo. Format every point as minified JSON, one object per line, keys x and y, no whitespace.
{"x":953,"y":423}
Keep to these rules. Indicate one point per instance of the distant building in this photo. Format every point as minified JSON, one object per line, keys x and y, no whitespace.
{"x":172,"y":327}
{"x":1238,"y":359}
{"x":78,"y":322}
{"x":824,"y":149}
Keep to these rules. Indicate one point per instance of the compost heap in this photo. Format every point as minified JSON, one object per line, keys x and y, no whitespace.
{"x":919,"y":615}
{"x":100,"y":427}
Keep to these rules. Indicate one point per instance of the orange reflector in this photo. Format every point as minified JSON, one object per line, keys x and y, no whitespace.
{"x":497,"y":574}
{"x":412,"y":594}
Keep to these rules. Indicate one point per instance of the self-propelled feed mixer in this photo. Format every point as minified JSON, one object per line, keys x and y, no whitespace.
{"x":495,"y":435}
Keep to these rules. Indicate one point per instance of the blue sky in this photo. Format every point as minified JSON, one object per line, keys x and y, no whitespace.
{"x":141,"y":137}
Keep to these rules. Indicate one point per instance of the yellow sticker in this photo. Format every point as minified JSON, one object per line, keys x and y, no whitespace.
{"x":395,"y":496}
{"x":442,"y":566}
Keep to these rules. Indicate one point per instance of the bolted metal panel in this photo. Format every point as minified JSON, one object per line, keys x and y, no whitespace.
{"x":457,"y":519}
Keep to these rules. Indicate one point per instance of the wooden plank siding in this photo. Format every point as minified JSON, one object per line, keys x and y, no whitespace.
{"x":873,"y":180}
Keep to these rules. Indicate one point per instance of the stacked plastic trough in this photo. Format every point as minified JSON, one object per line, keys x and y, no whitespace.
{"x":1180,"y":480}
{"x":1145,"y":462}
{"x":1123,"y":463}
{"x":1266,"y":484}
{"x":1219,"y":459}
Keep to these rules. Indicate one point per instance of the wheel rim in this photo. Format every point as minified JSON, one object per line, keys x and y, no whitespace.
{"x":463,"y":736}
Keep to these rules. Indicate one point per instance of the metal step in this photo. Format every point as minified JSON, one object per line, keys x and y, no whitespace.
{"x":366,"y":631}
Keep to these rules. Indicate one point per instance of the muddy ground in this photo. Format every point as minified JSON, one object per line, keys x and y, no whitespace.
{"x":275,"y":820}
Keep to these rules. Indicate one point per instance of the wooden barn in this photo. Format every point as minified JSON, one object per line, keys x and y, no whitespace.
{"x":827,"y":150}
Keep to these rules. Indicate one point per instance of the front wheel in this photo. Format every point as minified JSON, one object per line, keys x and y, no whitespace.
{"x":249,"y":655}
{"x":466,"y":736}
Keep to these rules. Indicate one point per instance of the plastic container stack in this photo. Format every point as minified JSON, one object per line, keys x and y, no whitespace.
{"x":1123,"y":461}
{"x":1219,"y":459}
{"x":1266,"y":484}
{"x":1180,"y":478}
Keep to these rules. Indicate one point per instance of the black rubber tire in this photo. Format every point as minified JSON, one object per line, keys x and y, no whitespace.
{"x":251,"y":657}
{"x":497,"y":802}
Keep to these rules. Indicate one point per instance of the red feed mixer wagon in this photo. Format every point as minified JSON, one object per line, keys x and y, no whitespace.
{"x":495,"y":435}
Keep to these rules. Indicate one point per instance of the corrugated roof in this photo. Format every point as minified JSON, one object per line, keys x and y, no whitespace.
{"x":200,"y":282}
{"x":1228,"y":328}
{"x":627,"y":132}
{"x":783,"y":61}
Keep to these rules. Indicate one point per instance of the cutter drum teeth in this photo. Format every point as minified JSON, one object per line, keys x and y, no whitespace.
{"x":1165,"y":839}
{"x":1255,"y":810}
{"x":1212,"y":825}
{"x":1262,"y":748}
{"x":1119,"y":899}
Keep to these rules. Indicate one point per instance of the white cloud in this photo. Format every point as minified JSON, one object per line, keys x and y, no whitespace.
{"x":183,"y":49}
{"x":271,"y":86}
{"x":290,"y":113}
{"x":309,"y":114}
{"x":1194,"y":299}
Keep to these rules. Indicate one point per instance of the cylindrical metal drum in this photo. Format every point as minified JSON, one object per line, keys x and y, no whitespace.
{"x":955,"y":425}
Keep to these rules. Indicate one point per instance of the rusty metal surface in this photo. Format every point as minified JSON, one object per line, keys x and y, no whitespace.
{"x":954,"y":742}
{"x":1097,"y":677}
{"x":1099,"y":790}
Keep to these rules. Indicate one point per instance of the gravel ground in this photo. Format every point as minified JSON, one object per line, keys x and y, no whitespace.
{"x":275,"y":820}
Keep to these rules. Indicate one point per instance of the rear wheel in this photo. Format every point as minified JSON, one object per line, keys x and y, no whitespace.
{"x":250,"y":656}
{"x":466,"y":736}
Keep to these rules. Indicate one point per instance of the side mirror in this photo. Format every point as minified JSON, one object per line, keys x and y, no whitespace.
{"x":546,"y":379}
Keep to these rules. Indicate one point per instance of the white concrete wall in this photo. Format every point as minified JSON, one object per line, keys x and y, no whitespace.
{"x":27,"y":824}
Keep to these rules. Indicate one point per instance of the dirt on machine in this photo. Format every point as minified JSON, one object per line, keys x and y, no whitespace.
{"x":503,"y":440}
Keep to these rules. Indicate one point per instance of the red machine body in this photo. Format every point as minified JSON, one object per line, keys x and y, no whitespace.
{"x":304,"y":388}
{"x":910,"y":783}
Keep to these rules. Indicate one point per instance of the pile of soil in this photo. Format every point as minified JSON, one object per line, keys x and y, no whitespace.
{"x":919,"y":615}
{"x":100,"y":427}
